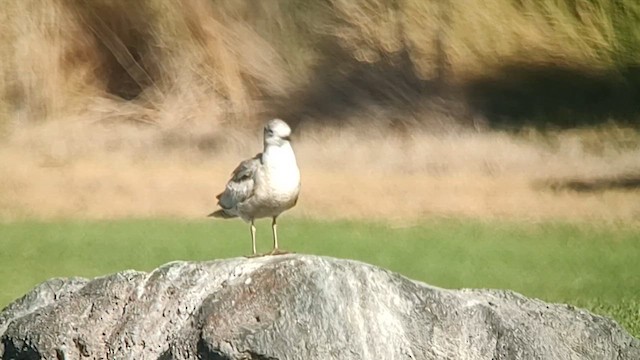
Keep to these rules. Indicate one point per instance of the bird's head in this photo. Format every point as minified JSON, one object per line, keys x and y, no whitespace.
{"x":276,"y":132}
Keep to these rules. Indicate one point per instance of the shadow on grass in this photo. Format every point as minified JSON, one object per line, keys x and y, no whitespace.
{"x":515,"y":96}
{"x":549,"y":95}
{"x":385,"y":92}
{"x":625,"y":182}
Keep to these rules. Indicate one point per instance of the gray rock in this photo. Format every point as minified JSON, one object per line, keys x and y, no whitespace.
{"x":294,"y":307}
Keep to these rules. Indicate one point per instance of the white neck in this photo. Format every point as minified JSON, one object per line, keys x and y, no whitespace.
{"x":276,"y":155}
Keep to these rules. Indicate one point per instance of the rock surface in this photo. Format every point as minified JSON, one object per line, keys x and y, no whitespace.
{"x":294,"y":307}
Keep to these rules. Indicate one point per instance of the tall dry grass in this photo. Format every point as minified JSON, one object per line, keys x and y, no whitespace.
{"x":156,"y":62}
{"x":177,"y":63}
{"x":113,"y":108}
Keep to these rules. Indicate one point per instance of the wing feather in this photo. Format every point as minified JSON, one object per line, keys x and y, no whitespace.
{"x":241,"y":185}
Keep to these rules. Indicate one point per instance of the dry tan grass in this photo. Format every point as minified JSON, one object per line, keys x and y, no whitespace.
{"x":347,"y":174}
{"x":171,"y":63}
{"x":180,"y":62}
{"x":111,"y":108}
{"x":527,"y":31}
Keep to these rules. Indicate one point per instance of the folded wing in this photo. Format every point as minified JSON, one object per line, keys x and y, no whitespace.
{"x":241,"y":185}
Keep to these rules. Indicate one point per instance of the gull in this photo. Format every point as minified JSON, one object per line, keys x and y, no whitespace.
{"x":265,"y":185}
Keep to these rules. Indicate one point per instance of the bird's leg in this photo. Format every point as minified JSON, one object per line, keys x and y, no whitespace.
{"x":253,"y":241}
{"x":253,"y":237}
{"x":275,"y":250}
{"x":274,"y":227}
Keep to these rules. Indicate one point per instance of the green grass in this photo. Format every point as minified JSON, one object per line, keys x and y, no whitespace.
{"x":586,"y":265}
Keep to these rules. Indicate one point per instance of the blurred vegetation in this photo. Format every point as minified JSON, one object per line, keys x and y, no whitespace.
{"x":506,"y":63}
{"x":583,"y":265}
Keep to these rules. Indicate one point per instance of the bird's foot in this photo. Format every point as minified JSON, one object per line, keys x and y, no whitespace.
{"x":272,"y":252}
{"x":279,"y":252}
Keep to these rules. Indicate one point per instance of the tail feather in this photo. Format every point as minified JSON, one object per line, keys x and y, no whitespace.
{"x":221,"y":214}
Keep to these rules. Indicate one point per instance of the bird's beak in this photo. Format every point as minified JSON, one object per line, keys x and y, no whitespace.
{"x":288,"y":138}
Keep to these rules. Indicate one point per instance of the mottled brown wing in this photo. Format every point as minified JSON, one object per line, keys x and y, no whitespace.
{"x":240,"y":186}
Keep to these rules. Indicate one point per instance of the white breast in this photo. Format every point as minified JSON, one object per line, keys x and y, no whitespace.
{"x":282,"y":176}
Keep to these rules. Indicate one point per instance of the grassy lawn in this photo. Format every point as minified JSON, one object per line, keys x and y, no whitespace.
{"x":592,"y":266}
